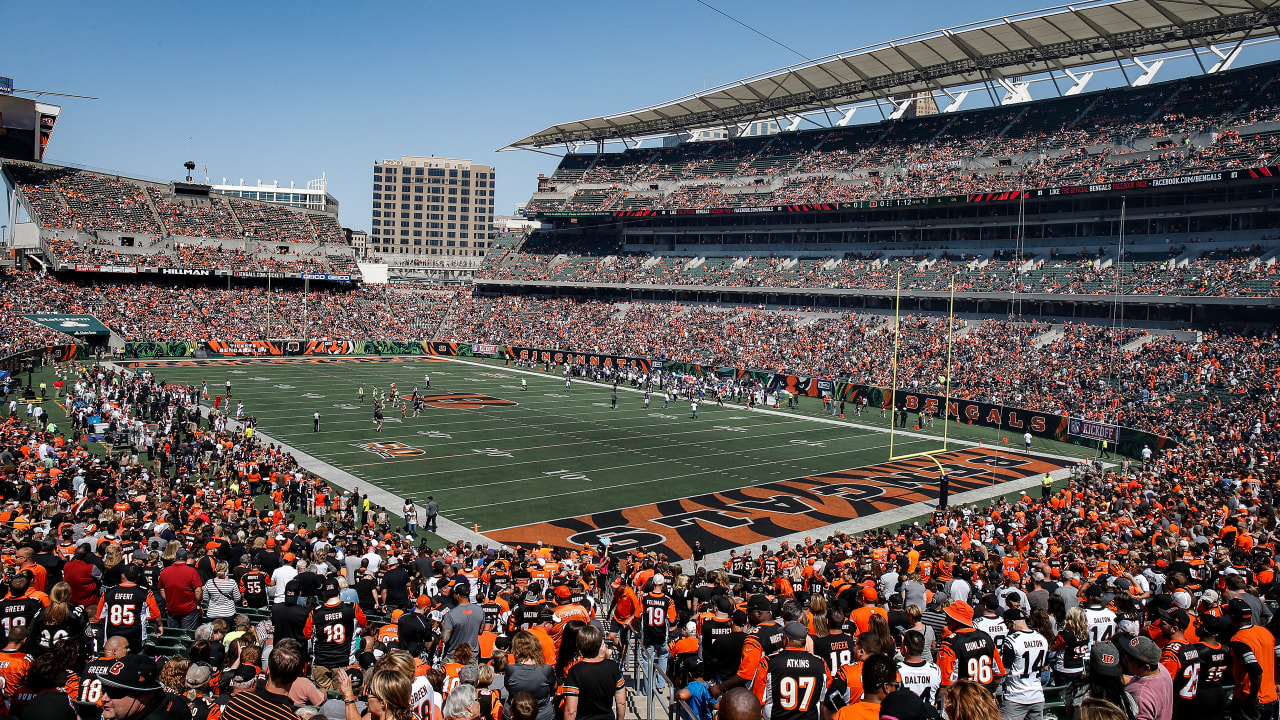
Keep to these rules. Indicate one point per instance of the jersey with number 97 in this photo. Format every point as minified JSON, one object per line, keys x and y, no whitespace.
{"x":796,"y":685}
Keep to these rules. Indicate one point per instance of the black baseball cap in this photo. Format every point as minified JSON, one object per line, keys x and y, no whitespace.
{"x":1176,"y":617}
{"x":331,"y":588}
{"x":1239,"y":609}
{"x":133,"y":673}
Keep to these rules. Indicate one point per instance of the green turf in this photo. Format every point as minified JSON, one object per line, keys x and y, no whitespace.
{"x":556,"y":453}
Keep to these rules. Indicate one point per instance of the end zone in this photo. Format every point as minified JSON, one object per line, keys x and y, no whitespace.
{"x":760,"y":513}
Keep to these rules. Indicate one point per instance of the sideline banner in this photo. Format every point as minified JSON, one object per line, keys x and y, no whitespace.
{"x":1016,"y":420}
{"x":172,"y":349}
{"x":561,"y":357}
{"x":1079,"y":427}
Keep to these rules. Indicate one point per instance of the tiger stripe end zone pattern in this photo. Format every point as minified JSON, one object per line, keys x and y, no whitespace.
{"x":759,"y":513}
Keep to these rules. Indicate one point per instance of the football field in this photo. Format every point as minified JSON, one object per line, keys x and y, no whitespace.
{"x":560,"y":465}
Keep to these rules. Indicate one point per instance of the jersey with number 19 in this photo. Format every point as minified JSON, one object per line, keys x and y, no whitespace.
{"x":796,"y":685}
{"x":1025,"y":655}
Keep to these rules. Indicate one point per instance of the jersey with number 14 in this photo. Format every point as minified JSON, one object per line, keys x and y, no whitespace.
{"x":796,"y":685}
{"x":1025,"y":655}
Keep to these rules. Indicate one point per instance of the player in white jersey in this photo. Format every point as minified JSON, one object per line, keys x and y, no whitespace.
{"x":991,"y":623}
{"x":916,"y":673}
{"x":1101,"y":620}
{"x":1025,"y":653}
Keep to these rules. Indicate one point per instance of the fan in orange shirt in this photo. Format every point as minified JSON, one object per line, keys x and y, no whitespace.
{"x":879,"y":675}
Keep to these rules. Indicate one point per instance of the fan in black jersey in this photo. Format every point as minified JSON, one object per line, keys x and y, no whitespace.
{"x":526,"y":614}
{"x":253,"y":586}
{"x":19,"y":607}
{"x":797,"y":681}
{"x":1198,"y":669}
{"x":968,"y":653}
{"x":125,"y":609}
{"x":334,"y":627}
{"x":58,"y":621}
{"x":836,"y":649}
{"x":715,"y":628}
{"x":91,"y":679}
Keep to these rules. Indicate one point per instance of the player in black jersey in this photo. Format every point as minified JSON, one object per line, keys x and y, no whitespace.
{"x":333,"y":626}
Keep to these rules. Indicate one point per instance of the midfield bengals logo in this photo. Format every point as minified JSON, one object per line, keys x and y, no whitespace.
{"x":466,"y":401}
{"x":391,"y":449}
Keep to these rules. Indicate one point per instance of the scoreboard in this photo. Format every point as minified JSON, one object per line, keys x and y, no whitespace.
{"x":25,"y":127}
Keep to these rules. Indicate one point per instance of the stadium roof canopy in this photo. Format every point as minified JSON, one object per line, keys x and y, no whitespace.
{"x":1055,"y":39}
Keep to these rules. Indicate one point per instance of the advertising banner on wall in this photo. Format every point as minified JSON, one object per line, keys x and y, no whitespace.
{"x":1079,"y":427}
{"x":562,"y":357}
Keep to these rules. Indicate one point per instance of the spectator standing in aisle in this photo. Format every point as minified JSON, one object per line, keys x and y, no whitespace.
{"x":433,"y":509}
{"x":182,"y":590}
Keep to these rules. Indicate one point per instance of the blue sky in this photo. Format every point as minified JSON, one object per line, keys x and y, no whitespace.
{"x":285,"y":91}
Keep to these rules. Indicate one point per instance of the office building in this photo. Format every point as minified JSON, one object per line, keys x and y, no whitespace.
{"x":430,"y":206}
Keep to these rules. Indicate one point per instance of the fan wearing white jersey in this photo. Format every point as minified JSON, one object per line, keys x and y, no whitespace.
{"x":1025,"y":653}
{"x":916,"y":673}
{"x":991,"y":623}
{"x":1101,"y":620}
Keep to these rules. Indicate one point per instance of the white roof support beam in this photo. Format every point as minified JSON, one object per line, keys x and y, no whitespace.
{"x":901,"y":107}
{"x":1014,"y":92}
{"x":1080,"y":81}
{"x":1225,"y":59}
{"x":846,"y":116}
{"x":956,"y":101}
{"x":1148,"y":72}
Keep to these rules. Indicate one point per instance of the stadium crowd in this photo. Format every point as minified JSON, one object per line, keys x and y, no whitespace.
{"x":67,"y":198}
{"x":1239,"y":273}
{"x":201,"y":573}
{"x":1097,"y":372}
{"x":1174,"y":128}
